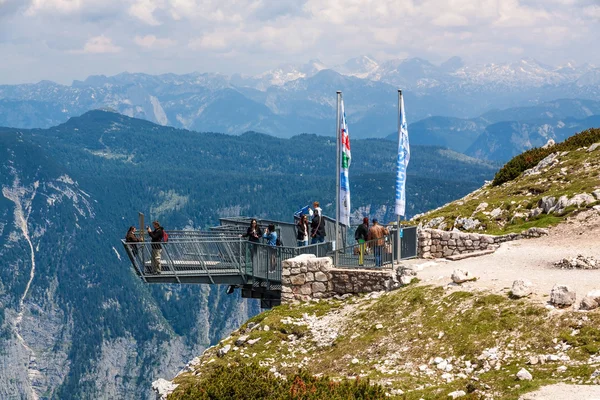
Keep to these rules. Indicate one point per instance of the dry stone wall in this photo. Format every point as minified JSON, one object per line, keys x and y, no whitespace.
{"x":435,"y":243}
{"x":307,"y":277}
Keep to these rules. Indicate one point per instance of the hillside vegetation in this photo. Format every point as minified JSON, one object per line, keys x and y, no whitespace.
{"x":538,"y":188}
{"x":419,"y":342}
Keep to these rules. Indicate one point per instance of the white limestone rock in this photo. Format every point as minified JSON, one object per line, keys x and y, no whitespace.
{"x":593,"y":147}
{"x":562,"y":296}
{"x":241,"y":340}
{"x":223,"y":350}
{"x":461,"y":276}
{"x":581,"y":199}
{"x":524,"y":375}
{"x":496,"y":213}
{"x":163,"y":388}
{"x":546,"y":203}
{"x":521,"y":288}
{"x":457,"y":394}
{"x":549,"y":143}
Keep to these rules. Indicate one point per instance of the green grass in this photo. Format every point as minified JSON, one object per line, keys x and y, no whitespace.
{"x":419,"y":323}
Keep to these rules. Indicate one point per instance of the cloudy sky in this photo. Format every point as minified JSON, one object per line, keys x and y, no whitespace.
{"x":62,"y":40}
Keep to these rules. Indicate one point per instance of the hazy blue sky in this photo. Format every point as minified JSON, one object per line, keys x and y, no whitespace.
{"x":63,"y":40}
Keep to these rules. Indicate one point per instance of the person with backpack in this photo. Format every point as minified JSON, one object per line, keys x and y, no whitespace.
{"x":361,"y":234}
{"x":157,"y":235}
{"x":376,"y":238}
{"x":317,"y":225}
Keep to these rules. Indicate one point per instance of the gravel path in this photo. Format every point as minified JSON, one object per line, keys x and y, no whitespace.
{"x":564,"y":391}
{"x":530,"y":259}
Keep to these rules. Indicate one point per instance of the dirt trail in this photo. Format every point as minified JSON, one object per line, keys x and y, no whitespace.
{"x":530,"y":259}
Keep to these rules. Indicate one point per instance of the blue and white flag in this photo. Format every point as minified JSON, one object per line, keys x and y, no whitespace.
{"x":304,"y":210}
{"x":402,"y":162}
{"x":345,"y":160}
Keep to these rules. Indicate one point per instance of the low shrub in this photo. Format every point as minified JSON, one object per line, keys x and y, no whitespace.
{"x":249,"y":382}
{"x":532,"y":157}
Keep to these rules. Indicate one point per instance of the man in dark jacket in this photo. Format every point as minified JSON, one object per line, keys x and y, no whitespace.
{"x":361,"y":234}
{"x":157,"y":237}
{"x":317,"y":227}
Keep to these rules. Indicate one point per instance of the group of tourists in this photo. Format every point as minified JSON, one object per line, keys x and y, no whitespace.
{"x":368,"y":238}
{"x":374,"y":236}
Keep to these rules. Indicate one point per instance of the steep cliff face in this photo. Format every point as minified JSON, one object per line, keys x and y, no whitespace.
{"x":75,"y":322}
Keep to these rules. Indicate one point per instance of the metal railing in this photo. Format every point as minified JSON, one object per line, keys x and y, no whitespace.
{"x":212,"y":257}
{"x":376,"y":253}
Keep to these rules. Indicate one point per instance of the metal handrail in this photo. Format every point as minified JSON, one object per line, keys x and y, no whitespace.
{"x":376,"y":253}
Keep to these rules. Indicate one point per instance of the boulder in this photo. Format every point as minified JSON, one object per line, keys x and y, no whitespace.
{"x":461,"y":276}
{"x":549,"y":143}
{"x":562,"y":296}
{"x":581,"y":199}
{"x":521,"y":288}
{"x":496,"y":213}
{"x":547,"y":162}
{"x":535,"y":212}
{"x":241,"y":340}
{"x":591,"y":301}
{"x":481,"y":207}
{"x":467,"y":224}
{"x":223,"y":350}
{"x":524,"y":375}
{"x":596,"y":194}
{"x":546,"y":203}
{"x":560,"y":205}
{"x":456,"y":394}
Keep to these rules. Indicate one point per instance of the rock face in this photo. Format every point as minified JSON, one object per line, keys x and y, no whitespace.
{"x":562,"y":296}
{"x":521,"y":288}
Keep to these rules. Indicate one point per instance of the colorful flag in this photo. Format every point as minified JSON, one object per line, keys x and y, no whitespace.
{"x":402,"y":162}
{"x":345,"y":160}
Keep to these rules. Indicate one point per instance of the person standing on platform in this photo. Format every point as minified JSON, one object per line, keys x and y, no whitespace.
{"x":132,"y":240}
{"x":377,"y":234}
{"x":271,"y":236}
{"x":317,"y":225}
{"x":361,"y":234}
{"x":157,"y":236}
{"x":302,"y":226}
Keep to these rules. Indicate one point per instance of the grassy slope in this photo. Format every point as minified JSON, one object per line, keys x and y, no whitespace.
{"x":577,"y":172}
{"x":419,"y":324}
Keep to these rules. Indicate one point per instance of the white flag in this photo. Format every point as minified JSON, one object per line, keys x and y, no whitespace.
{"x":402,"y":162}
{"x":345,"y":160}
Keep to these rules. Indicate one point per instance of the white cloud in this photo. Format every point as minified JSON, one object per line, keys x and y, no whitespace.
{"x":100,"y":45}
{"x":265,"y":33}
{"x":144,"y":11}
{"x":152,"y":42}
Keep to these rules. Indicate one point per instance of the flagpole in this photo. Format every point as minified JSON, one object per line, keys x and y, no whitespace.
{"x":337,"y":178}
{"x":398,"y":238}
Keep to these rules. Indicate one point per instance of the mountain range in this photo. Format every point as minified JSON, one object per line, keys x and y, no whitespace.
{"x":293,"y":99}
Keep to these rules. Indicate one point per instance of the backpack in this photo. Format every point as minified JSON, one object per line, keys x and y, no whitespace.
{"x":165,"y":237}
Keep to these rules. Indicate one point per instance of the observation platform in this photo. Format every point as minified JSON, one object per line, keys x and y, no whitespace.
{"x":220,"y":256}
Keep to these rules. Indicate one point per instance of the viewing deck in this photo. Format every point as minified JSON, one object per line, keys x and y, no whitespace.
{"x":221,"y":256}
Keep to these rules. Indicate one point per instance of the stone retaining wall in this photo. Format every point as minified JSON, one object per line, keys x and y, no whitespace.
{"x":434,"y":243}
{"x":307,"y":277}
